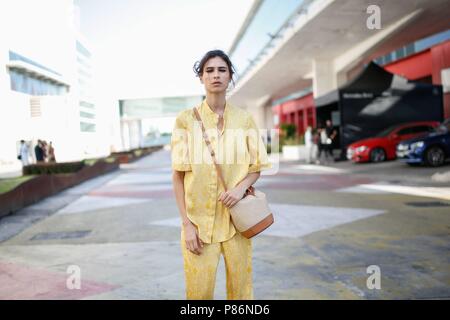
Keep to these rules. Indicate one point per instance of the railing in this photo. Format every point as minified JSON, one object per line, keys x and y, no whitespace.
{"x":289,"y":23}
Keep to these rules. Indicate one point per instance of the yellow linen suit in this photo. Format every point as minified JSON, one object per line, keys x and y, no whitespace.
{"x":237,"y":155}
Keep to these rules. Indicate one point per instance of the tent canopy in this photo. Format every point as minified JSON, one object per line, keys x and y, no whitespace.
{"x":377,"y":99}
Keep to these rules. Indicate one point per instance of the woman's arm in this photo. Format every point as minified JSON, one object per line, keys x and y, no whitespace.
{"x":193,"y":242}
{"x":231,"y":197}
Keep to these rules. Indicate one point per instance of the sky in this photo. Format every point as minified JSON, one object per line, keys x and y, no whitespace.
{"x":147,"y":48}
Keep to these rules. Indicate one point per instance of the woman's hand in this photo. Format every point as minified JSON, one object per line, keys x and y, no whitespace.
{"x":193,"y":242}
{"x":233,"y":196}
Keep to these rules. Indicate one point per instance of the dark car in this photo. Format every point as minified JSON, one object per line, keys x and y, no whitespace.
{"x":432,"y":149}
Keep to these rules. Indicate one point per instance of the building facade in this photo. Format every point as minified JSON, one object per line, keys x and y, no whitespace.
{"x":46,"y":83}
{"x":288,"y":54}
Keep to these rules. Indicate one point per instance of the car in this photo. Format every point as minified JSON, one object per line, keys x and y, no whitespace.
{"x":432,"y":149}
{"x":383,"y":146}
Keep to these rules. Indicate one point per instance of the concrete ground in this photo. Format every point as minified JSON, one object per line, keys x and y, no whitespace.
{"x":120,"y":234}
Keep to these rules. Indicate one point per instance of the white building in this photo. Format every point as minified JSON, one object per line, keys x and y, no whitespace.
{"x":46,"y":84}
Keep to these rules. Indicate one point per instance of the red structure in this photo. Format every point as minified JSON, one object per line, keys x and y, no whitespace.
{"x":426,"y":66}
{"x":300,"y":111}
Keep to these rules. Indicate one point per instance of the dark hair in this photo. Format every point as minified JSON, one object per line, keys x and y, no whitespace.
{"x":200,"y":65}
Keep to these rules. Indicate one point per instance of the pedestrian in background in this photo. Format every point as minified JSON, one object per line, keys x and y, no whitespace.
{"x":331,"y":139}
{"x":51,"y":153}
{"x":309,"y":144}
{"x":207,"y":230}
{"x":24,"y":153}
{"x":39,"y":152}
{"x":44,"y":147}
{"x":322,"y":138}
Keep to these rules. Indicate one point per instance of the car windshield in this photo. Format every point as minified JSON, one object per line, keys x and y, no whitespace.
{"x":386,"y":132}
{"x":443,"y":127}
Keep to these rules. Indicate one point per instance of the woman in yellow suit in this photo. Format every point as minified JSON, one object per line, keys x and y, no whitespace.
{"x":207,"y":230}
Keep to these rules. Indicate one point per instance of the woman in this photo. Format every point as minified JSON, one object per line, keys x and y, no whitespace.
{"x":207,"y":230}
{"x":51,"y":153}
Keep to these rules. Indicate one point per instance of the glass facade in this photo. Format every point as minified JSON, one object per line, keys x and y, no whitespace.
{"x":87,"y":115}
{"x":84,"y":89}
{"x":267,"y":26}
{"x":81,"y":49}
{"x":22,"y":81}
{"x":86,"y":104}
{"x":25,"y":83}
{"x":87,"y":127}
{"x":13,"y":56}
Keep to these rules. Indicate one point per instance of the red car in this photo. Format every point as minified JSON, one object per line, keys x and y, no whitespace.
{"x":383,"y":146}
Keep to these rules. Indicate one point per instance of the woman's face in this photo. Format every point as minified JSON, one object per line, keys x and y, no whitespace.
{"x":216,"y":75}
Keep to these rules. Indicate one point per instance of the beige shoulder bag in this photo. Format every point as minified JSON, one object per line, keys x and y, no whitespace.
{"x":251,"y":215}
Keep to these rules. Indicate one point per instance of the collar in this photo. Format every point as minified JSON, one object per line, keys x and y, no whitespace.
{"x":206,"y":110}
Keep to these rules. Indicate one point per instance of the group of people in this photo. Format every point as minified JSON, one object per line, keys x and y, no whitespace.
{"x":320,"y":141}
{"x":43,"y":151}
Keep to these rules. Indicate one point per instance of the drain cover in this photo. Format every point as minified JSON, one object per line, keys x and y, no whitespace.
{"x":427,"y":204}
{"x":61,"y":235}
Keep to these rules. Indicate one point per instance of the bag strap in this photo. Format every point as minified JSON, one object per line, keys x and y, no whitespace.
{"x":211,"y":151}
{"x":250,"y":190}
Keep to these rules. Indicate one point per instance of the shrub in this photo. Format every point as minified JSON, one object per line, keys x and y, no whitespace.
{"x":289,"y":130}
{"x":53,"y":168}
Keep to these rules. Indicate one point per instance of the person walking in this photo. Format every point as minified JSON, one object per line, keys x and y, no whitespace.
{"x":24,"y":153}
{"x":309,"y":144}
{"x":207,"y":230}
{"x":322,"y":145}
{"x":51,"y":153}
{"x":331,"y":137}
{"x":39,"y":152}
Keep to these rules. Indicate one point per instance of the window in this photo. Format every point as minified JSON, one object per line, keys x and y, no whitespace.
{"x":405,"y":131}
{"x":421,"y":129}
{"x":86,"y":104}
{"x":29,"y":84}
{"x":87,"y":115}
{"x":81,"y":49}
{"x":87,"y":127}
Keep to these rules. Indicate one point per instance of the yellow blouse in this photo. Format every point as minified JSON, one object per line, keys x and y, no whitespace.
{"x":239,"y":150}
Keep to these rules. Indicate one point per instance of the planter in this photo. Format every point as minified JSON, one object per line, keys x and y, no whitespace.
{"x":46,"y":185}
{"x":294,"y":152}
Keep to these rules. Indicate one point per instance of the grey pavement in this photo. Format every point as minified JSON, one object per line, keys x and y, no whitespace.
{"x":331,"y":223}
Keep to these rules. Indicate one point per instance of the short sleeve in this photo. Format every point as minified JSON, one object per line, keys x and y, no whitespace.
{"x":180,"y":145}
{"x":257,"y":150}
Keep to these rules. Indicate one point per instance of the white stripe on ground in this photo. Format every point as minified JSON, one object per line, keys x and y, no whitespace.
{"x":317,"y":168}
{"x":295,"y":221}
{"x":361,"y":189}
{"x":432,"y":192}
{"x":90,"y":203}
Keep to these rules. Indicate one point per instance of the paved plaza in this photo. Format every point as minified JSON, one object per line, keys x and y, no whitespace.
{"x":121,"y":232}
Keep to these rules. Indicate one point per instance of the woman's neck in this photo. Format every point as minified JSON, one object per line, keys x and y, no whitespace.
{"x":216,"y":102}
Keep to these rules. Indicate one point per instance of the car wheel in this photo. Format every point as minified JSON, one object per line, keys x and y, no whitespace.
{"x":435,"y":156}
{"x":377,"y":155}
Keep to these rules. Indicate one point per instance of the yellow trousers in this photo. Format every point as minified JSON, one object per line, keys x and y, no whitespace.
{"x":200,"y":270}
